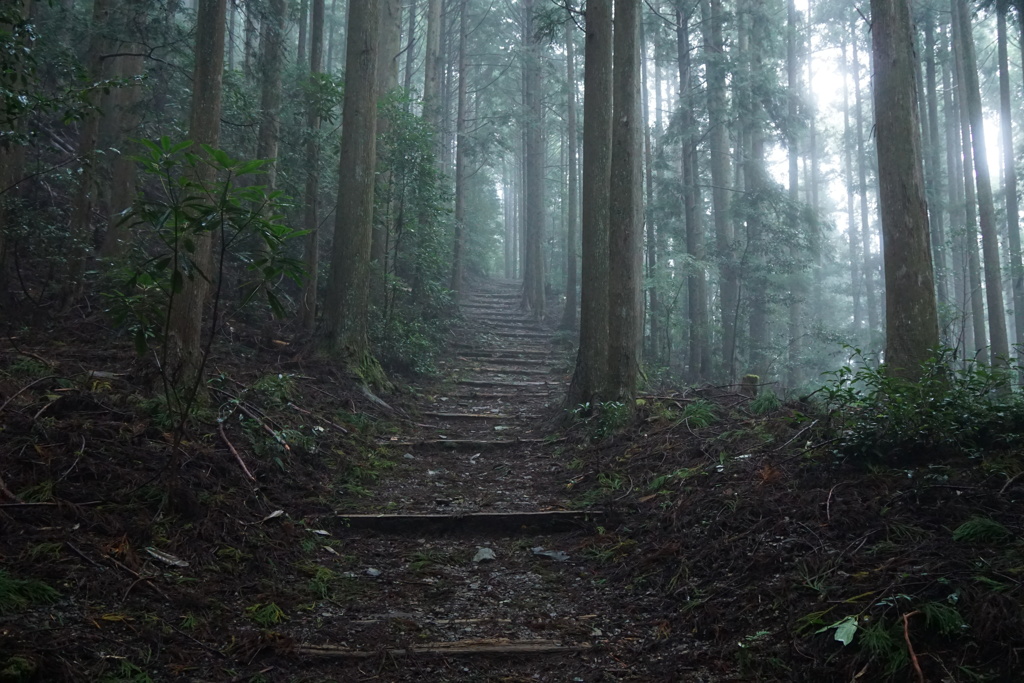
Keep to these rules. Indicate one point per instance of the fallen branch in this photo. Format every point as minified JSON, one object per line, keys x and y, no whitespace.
{"x":325,"y":421}
{"x":19,"y":392}
{"x":7,"y":492}
{"x":910,"y":646}
{"x":497,"y":646}
{"x":234,"y":452}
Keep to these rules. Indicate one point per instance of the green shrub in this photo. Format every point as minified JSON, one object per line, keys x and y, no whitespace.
{"x":951,"y":410}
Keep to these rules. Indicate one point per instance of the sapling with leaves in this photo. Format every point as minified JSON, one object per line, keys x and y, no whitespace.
{"x":168,"y":221}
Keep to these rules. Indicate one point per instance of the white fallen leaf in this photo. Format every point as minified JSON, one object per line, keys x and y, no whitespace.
{"x":167,"y":558}
{"x":273,"y":515}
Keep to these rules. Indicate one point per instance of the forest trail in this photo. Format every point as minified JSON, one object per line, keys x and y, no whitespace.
{"x":470,"y":547}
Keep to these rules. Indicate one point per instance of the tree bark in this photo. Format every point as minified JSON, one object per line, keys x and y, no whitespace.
{"x":699,"y":356}
{"x":533,"y":109}
{"x":271,"y":68}
{"x":346,"y":309}
{"x":12,"y":162}
{"x":870,"y":298}
{"x":432,"y":66}
{"x":569,"y":313}
{"x":912,"y":329}
{"x":311,"y":202}
{"x":590,"y":375}
{"x":88,"y":187}
{"x":986,"y":203}
{"x":461,"y":172}
{"x":185,"y":322}
{"x":970,"y":241}
{"x":718,"y":147}
{"x":853,"y":234}
{"x":1010,"y":174}
{"x":625,"y":224}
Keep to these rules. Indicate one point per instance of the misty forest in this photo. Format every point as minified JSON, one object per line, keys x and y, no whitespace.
{"x":511,"y":340}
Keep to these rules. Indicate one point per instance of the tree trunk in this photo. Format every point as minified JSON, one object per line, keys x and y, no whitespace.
{"x":272,"y":66}
{"x":533,"y":108}
{"x":862,"y":181}
{"x":625,"y":233}
{"x":390,"y":41}
{"x":696,"y":288}
{"x":714,"y":48}
{"x":590,"y":375}
{"x":912,"y":328}
{"x":1010,"y":174}
{"x":853,"y":234}
{"x":311,"y":202}
{"x":346,"y":309}
{"x":121,"y":108}
{"x":569,"y":314}
{"x":185,"y":323}
{"x":432,"y":67}
{"x":12,"y":160}
{"x":970,"y":242}
{"x":986,"y":204}
{"x":88,"y":187}
{"x":410,"y":49}
{"x":796,"y":292}
{"x":957,"y":209}
{"x":461,"y":172}
{"x":936,"y":192}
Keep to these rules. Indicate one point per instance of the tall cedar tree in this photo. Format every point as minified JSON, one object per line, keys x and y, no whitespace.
{"x":185,"y":324}
{"x":625,"y":223}
{"x":912,"y":329}
{"x":589,"y":377}
{"x":346,"y":307}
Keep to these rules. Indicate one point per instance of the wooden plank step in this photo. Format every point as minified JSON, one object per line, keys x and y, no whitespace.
{"x":467,"y":443}
{"x":547,"y":520}
{"x":510,"y":371}
{"x":503,"y":383}
{"x":455,"y":648}
{"x":474,"y":416}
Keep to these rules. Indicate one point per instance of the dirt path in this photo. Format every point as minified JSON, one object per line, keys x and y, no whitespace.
{"x":469,"y":546}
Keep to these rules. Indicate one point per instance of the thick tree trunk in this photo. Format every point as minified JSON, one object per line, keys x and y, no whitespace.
{"x":912,"y":328}
{"x":625,"y":225}
{"x":569,"y":313}
{"x":271,"y":68}
{"x":986,"y":203}
{"x":590,"y":375}
{"x":432,"y":66}
{"x":346,"y":309}
{"x":185,"y":323}
{"x":311,"y":202}
{"x":390,"y":41}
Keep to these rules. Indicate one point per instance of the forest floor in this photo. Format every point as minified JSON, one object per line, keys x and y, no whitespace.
{"x":462,"y":529}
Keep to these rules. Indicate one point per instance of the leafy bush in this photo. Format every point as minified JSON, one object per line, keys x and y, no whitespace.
{"x":951,"y":410}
